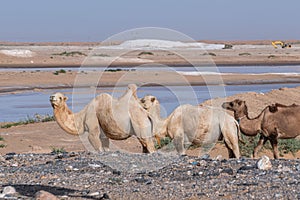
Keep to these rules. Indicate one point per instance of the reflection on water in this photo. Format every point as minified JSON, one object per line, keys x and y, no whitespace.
{"x":14,"y":107}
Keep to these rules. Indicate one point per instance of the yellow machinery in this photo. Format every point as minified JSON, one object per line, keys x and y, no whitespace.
{"x":282,"y":44}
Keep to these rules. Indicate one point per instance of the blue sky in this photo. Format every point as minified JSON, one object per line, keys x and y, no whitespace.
{"x":96,"y":20}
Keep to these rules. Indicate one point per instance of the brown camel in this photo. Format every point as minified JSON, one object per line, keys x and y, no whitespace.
{"x":105,"y":117}
{"x":274,"y":122}
{"x":197,"y":125}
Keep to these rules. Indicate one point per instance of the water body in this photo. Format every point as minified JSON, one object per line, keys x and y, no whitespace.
{"x":14,"y":107}
{"x":220,"y":69}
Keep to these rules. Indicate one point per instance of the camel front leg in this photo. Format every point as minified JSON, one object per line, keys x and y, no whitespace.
{"x":274,"y":143}
{"x":104,"y":141}
{"x":94,"y":138}
{"x":262,"y":141}
{"x":179,"y":145}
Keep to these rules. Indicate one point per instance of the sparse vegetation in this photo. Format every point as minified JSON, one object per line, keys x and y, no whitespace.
{"x":250,"y":143}
{"x":55,"y":150}
{"x":271,"y":56}
{"x":61,"y":71}
{"x":113,"y":70}
{"x":163,"y":142}
{"x":71,"y":53}
{"x":245,"y":54}
{"x":288,"y":146}
{"x":146,"y":53}
{"x":284,"y":146}
{"x":209,"y":54}
{"x":102,"y":55}
{"x":30,"y":120}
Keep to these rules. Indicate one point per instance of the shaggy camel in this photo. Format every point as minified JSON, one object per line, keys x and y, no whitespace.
{"x":106,"y":118}
{"x":194,"y":124}
{"x":274,"y":122}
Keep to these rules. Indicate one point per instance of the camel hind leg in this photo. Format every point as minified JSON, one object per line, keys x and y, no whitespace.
{"x":230,"y":133}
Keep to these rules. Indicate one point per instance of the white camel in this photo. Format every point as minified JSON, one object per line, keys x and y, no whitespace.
{"x":106,"y":117}
{"x":194,"y":124}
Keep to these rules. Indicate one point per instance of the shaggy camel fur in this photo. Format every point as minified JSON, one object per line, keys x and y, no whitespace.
{"x":274,"y":122}
{"x":194,"y":124}
{"x":105,"y":117}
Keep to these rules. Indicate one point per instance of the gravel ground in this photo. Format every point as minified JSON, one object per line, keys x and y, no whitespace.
{"x":116,"y":175}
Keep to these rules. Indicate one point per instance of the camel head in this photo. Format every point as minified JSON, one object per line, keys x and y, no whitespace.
{"x":237,"y":106}
{"x":58,"y":100}
{"x":151,"y":104}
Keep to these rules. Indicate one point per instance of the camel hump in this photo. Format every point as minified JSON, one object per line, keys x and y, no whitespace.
{"x":274,"y":107}
{"x":133,"y":89}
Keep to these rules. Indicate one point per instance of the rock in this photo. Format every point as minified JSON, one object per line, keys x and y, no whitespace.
{"x":43,"y":195}
{"x":264,"y":163}
{"x":298,"y":167}
{"x":93,"y":194}
{"x":105,"y":196}
{"x":69,"y":168}
{"x":8,"y":190}
{"x":227,"y":171}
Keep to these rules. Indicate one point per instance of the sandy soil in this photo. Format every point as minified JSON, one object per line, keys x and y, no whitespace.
{"x":42,"y":137}
{"x":243,"y":53}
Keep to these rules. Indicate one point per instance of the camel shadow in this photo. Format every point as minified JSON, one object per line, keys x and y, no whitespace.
{"x":30,"y":190}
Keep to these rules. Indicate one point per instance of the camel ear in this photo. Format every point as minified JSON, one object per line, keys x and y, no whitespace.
{"x":65,"y":98}
{"x":152,"y":99}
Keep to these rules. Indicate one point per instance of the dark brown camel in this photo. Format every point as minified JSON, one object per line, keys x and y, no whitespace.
{"x":274,"y":122}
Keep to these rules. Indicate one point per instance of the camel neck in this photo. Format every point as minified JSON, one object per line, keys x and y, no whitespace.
{"x":66,"y":119}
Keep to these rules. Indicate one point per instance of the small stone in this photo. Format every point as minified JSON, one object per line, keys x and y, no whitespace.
{"x":202,"y":163}
{"x":228,"y":171}
{"x":105,"y":196}
{"x":9,"y":190}
{"x":94,"y":194}
{"x":69,"y":168}
{"x":15,"y":165}
{"x":264,"y":163}
{"x":41,"y":195}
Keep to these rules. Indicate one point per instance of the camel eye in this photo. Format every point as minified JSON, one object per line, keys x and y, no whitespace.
{"x":143,"y":100}
{"x":60,"y":98}
{"x":231,"y":104}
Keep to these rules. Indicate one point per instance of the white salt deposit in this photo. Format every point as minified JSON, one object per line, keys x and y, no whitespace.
{"x":18,"y":53}
{"x":162,"y":44}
